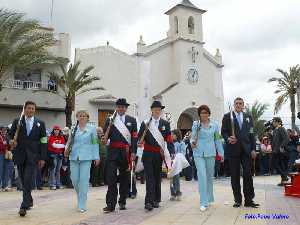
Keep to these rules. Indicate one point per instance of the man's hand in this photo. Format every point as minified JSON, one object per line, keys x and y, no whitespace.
{"x":104,"y":140}
{"x":140,"y":144}
{"x":222,"y":158}
{"x":253,"y":154}
{"x":133,"y":156}
{"x":232,"y":140}
{"x":13,"y":143}
{"x":41,"y":164}
{"x":97,"y":162}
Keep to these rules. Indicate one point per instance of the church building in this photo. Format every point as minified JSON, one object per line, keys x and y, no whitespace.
{"x":177,"y":70}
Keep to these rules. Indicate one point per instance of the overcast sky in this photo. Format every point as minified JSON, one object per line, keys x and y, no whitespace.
{"x":255,"y":37}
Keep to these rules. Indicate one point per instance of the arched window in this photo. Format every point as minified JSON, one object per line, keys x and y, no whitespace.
{"x":176,"y":24}
{"x":191,"y":25}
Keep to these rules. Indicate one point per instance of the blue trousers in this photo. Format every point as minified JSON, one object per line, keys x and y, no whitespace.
{"x":205,"y":171}
{"x":54,"y":178}
{"x":80,"y":176}
{"x":175,"y":186}
{"x":3,"y":172}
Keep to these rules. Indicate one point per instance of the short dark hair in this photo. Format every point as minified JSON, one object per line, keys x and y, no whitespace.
{"x":29,"y":103}
{"x":203,"y":107}
{"x":178,"y":135}
{"x":238,"y":99}
{"x":277,"y":119}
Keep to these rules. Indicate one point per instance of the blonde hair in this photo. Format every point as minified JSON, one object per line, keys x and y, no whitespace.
{"x":84,"y":112}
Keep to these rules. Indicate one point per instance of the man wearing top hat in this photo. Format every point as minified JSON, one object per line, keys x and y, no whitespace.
{"x":122,"y":136}
{"x":154,"y":135}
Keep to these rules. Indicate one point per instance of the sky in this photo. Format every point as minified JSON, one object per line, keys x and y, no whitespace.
{"x":255,"y":37}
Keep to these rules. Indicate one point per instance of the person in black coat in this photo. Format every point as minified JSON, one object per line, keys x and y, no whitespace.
{"x":152,"y":157}
{"x":241,"y":144}
{"x":120,"y":153}
{"x":279,"y":143}
{"x":30,"y":149}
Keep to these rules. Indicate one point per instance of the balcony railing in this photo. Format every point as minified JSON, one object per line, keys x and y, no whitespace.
{"x":28,"y":85}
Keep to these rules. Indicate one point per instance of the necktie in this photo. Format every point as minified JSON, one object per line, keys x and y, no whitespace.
{"x":156,"y":123}
{"x":239,"y":120}
{"x":28,"y":126}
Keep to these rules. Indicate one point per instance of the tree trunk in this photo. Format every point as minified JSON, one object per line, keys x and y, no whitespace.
{"x":298,"y":96}
{"x":293,"y":109}
{"x":68,"y":112}
{"x":298,"y":103}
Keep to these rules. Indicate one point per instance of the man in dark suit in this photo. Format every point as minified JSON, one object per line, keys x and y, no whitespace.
{"x":237,"y":131}
{"x":122,"y":148}
{"x":152,"y":155}
{"x":30,"y":149}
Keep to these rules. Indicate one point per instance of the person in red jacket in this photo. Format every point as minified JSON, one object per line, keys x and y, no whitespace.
{"x":3,"y":161}
{"x":56,"y":148}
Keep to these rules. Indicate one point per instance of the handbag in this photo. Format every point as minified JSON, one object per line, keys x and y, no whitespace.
{"x":8,"y":155}
{"x":70,"y":141}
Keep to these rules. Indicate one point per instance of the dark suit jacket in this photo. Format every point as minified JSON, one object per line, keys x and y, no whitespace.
{"x":164,"y":128}
{"x":280,"y":139}
{"x":115,"y":135}
{"x":245,"y":136}
{"x":30,"y":148}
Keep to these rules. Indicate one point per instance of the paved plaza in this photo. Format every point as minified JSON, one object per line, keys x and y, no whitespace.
{"x":59,"y":207}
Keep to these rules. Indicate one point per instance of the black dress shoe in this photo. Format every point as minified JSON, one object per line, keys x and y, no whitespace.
{"x":148,"y":207}
{"x":133,"y":196}
{"x":108,"y":209}
{"x":22,"y":212}
{"x":155,"y":205}
{"x":122,"y":207}
{"x":236,"y":205}
{"x":251,"y":204}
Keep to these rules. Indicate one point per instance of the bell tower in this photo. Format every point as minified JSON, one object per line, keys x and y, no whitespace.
{"x":185,"y":21}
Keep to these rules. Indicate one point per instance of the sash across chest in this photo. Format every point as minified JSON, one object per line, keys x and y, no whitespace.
{"x":119,"y":144}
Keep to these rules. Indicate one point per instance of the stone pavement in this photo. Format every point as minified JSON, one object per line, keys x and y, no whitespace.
{"x":59,"y":207}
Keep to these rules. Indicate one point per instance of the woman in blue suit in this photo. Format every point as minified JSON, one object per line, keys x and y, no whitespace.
{"x":206,"y":141}
{"x":85,"y":149}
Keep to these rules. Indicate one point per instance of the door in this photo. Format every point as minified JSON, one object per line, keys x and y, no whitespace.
{"x":102,"y":116}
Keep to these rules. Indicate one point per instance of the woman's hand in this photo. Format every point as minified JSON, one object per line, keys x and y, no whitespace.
{"x":193,"y":145}
{"x":97,"y":162}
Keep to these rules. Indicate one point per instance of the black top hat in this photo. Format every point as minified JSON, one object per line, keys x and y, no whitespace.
{"x":157,"y":104}
{"x":122,"y":101}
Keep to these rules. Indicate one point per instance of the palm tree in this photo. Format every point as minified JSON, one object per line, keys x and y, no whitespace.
{"x":23,"y":43}
{"x":256,"y":111}
{"x":74,"y":82}
{"x":287,"y":88}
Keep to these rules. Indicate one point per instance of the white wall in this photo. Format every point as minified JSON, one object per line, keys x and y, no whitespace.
{"x":51,"y":118}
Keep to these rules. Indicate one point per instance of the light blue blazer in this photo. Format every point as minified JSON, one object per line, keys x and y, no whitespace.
{"x":209,"y":140}
{"x":86,"y":146}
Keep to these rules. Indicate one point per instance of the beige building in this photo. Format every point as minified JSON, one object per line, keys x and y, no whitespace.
{"x":177,"y":70}
{"x":22,"y":85}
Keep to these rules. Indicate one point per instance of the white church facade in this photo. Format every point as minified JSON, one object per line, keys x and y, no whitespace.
{"x":176,"y":70}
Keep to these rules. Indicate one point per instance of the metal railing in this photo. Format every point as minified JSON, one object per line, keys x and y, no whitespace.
{"x":31,"y":85}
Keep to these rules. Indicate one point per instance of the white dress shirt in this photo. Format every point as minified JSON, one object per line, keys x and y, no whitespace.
{"x":156,"y":122}
{"x":241,"y":115}
{"x":122,"y":118}
{"x":29,"y":120}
